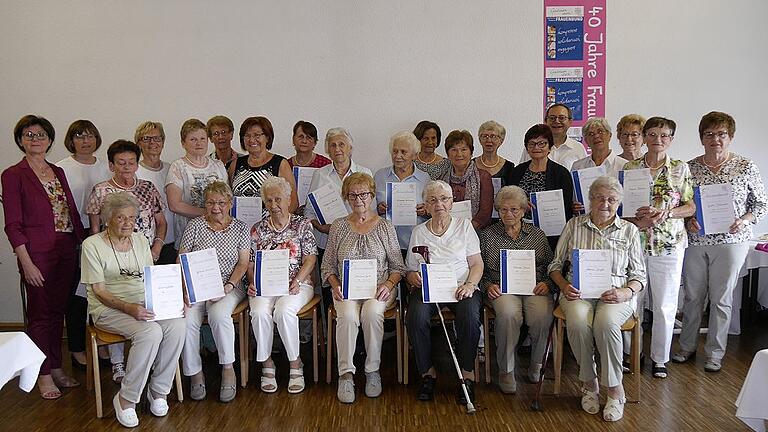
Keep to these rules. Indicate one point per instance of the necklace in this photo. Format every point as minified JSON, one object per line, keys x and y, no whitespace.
{"x":43,"y":172}
{"x":431,"y":227}
{"x":151,"y":168}
{"x":275,"y":228}
{"x":296,"y":160}
{"x":224,"y":226}
{"x":125,"y":271}
{"x":121,"y":187}
{"x":482,"y":162}
{"x":653,"y":168}
{"x":194,"y":165}
{"x":434,"y":157}
{"x":715,"y":167}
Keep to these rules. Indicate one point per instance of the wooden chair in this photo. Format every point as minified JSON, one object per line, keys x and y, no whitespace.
{"x":449,"y":317}
{"x":488,"y":315}
{"x":631,"y":325}
{"x":240,"y":317}
{"x":96,"y":339}
{"x":392,"y":313}
{"x":311,"y":311}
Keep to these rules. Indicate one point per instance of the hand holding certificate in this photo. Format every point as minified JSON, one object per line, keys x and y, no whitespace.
{"x":549,"y":211}
{"x":637,"y":190}
{"x":582,"y":180}
{"x":438,"y":283}
{"x":303,"y":177}
{"x":359,"y":279}
{"x":202,"y":275}
{"x":518,"y":271}
{"x":402,"y":199}
{"x":247,"y":210}
{"x":271,"y":272}
{"x":327,"y":202}
{"x":714,"y":208}
{"x":591,"y":272}
{"x":462,"y":209}
{"x":163,"y":293}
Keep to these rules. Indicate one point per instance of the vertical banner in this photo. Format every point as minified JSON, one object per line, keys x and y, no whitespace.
{"x":574,"y":58}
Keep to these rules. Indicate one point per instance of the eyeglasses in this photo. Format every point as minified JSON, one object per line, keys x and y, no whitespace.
{"x":155,"y":139}
{"x":302,"y":137}
{"x":560,"y":118}
{"x":219,"y":133}
{"x":491,"y":137}
{"x":441,"y":200}
{"x":358,"y":196}
{"x":131,"y":273}
{"x":216,"y":203}
{"x":84,"y":136}
{"x":40,"y":136}
{"x":122,"y":219}
{"x":598,"y":132}
{"x":712,"y":135}
{"x":537,"y":144}
{"x":600,"y":198}
{"x":254,"y":136}
{"x":511,"y":210}
{"x":663,"y":136}
{"x":630,"y":134}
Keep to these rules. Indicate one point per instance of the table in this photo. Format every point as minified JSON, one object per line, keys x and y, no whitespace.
{"x":752,"y":403}
{"x":20,"y":357}
{"x":754,"y":291}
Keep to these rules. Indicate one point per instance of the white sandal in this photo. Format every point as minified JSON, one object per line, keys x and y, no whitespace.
{"x":614,"y":409}
{"x":590,"y":402}
{"x":296,"y":380}
{"x":268,"y":381}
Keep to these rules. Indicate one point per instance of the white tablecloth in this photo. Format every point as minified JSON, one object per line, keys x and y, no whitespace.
{"x":19,"y":356}
{"x":752,"y":403}
{"x":755,"y":260}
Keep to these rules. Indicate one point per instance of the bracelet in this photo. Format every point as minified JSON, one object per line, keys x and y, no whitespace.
{"x":156,"y":239}
{"x":230,"y":283}
{"x":634,"y":293}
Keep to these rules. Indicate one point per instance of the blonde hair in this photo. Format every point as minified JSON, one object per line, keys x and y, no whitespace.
{"x":145,"y":128}
{"x":190,"y":126}
{"x":357,"y":179}
{"x":218,"y":187}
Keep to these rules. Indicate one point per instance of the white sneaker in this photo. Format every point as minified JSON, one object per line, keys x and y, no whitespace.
{"x":346,"y":391}
{"x":158,"y":407}
{"x":372,"y":384}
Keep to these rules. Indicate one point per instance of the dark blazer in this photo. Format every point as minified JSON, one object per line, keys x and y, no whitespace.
{"x":28,"y":211}
{"x":555,"y":177}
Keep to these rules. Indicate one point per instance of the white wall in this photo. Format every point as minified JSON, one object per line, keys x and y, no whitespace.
{"x":373,"y":67}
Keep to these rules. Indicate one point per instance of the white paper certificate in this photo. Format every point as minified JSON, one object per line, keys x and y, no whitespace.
{"x":327,"y":202}
{"x":202,"y":275}
{"x":637,"y":190}
{"x":714,"y":208}
{"x":247,"y":210}
{"x":549,"y":211}
{"x":270,"y":276}
{"x":359,"y":279}
{"x":518,"y":271}
{"x":303,"y":178}
{"x":582,"y":180}
{"x":496,"y":188}
{"x":462,"y":209}
{"x":401,"y":203}
{"x":163,"y":293}
{"x":438,"y":283}
{"x":591,"y":272}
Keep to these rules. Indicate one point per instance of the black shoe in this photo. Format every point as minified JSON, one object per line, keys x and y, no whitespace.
{"x":626,"y":365}
{"x":76,"y":364}
{"x":460,"y":398}
{"x":427,"y":389}
{"x":659,"y":370}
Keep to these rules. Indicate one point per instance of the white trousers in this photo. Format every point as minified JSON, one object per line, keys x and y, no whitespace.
{"x":268,"y":311}
{"x":222,"y":328}
{"x":350,"y":314}
{"x":510,"y":310}
{"x":664,"y":274}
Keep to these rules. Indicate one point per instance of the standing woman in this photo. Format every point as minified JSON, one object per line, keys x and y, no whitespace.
{"x":188,"y":177}
{"x":44,"y":228}
{"x":630,"y":133}
{"x":304,"y":141}
{"x":491,"y":136}
{"x":662,"y":231}
{"x":427,"y":160}
{"x":713,"y":261}
{"x":83,"y":170}
{"x":249,"y":171}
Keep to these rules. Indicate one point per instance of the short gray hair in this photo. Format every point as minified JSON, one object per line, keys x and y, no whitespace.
{"x":276,"y":183}
{"x":117,"y":201}
{"x":595,"y":122}
{"x":493,"y":125}
{"x":514,"y":193}
{"x":435,"y":186}
{"x":607,"y":183}
{"x":333,"y":133}
{"x":408,"y":137}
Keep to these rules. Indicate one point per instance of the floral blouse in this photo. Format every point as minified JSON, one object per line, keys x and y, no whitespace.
{"x":671,"y":188}
{"x":61,"y":220}
{"x":748,"y":195}
{"x":297,"y":237}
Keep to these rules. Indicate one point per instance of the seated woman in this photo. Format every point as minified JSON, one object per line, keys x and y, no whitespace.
{"x":450,"y":241}
{"x":600,"y":319}
{"x":229,"y":236}
{"x":512,"y":233}
{"x":112,"y":264}
{"x":282,"y":230}
{"x":361,"y":235}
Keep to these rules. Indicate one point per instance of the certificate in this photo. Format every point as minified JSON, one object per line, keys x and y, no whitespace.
{"x":270,"y":276}
{"x":303,"y":178}
{"x":81,"y":291}
{"x":202,"y":275}
{"x":549,"y":211}
{"x":401,"y":203}
{"x":714,"y":208}
{"x":462,"y":209}
{"x":163,"y":293}
{"x":637,"y":190}
{"x":496,"y":188}
{"x":359,"y":279}
{"x":438,"y":283}
{"x":582,"y":180}
{"x":247,"y":210}
{"x":591,"y":272}
{"x":327,"y":202}
{"x":518,"y":271}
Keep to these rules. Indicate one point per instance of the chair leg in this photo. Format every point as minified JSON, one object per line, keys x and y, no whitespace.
{"x":329,"y":351}
{"x":96,"y":376}
{"x":635,"y":353}
{"x":179,"y":388}
{"x":243,"y":351}
{"x":558,"y":355}
{"x":406,"y":348}
{"x":88,"y":362}
{"x":314,"y":344}
{"x":399,"y":340}
{"x":487,"y":337}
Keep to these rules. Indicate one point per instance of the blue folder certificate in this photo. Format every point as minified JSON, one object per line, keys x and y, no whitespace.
{"x":438,"y":283}
{"x":303,"y":178}
{"x":549,"y":211}
{"x":202,"y":275}
{"x":359,"y":279}
{"x":163,"y":293}
{"x":637,"y":190}
{"x":327,"y":203}
{"x":518,"y":271}
{"x":591,"y":272}
{"x":270,"y":276}
{"x":247,"y":210}
{"x":582,"y":180}
{"x":401,"y":203}
{"x":714,"y":208}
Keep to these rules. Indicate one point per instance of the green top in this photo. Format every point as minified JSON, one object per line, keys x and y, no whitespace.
{"x":99,"y":264}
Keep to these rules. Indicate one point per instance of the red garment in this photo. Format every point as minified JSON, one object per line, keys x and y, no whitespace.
{"x":318,"y":162}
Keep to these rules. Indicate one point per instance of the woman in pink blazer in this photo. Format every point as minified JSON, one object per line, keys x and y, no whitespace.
{"x":44,"y":228}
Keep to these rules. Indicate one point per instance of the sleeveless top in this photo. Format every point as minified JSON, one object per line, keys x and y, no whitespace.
{"x":248,"y":179}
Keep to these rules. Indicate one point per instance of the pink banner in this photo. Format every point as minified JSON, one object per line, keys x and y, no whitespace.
{"x":574,"y":58}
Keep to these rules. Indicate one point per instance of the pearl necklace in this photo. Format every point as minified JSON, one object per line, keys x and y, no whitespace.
{"x":194,"y":165}
{"x":653,"y":168}
{"x":482,"y":162}
{"x":121,"y":187}
{"x":434,"y":157}
{"x":715,"y":167}
{"x":275,"y":228}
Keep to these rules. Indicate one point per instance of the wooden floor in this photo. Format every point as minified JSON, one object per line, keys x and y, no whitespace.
{"x":689,"y":400}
